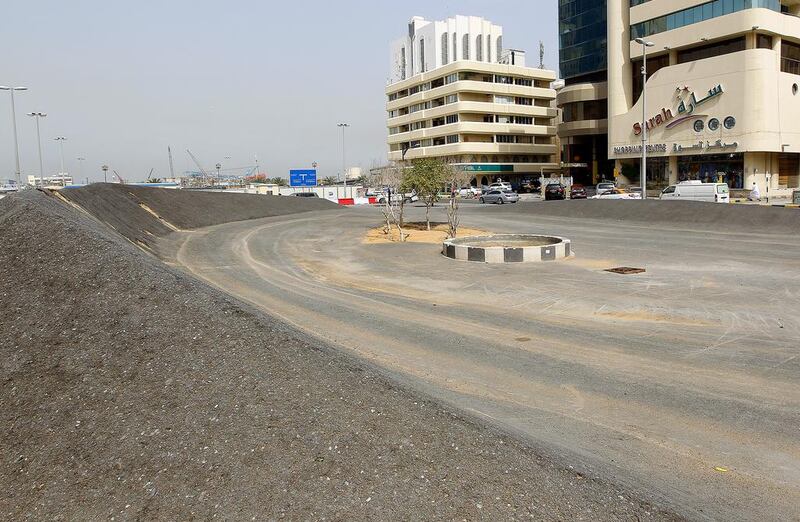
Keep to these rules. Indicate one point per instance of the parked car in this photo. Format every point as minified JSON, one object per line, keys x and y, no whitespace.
{"x":305,"y":195}
{"x":697,"y":191}
{"x":408,"y":197}
{"x":555,"y":191}
{"x":617,"y":193}
{"x":501,"y":185}
{"x":469,"y":192}
{"x":499,"y":197}
{"x":577,"y":192}
{"x":604,"y":186}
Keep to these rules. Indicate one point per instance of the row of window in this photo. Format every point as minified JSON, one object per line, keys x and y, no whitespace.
{"x":469,"y":76}
{"x":500,"y":138}
{"x":697,"y":14}
{"x":454,"y":118}
{"x":453,"y":98}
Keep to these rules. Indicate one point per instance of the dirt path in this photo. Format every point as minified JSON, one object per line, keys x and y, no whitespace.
{"x":682,"y":383}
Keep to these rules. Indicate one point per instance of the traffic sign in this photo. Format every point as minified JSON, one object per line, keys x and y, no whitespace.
{"x":303,"y":178}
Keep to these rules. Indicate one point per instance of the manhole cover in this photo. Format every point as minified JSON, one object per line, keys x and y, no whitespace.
{"x":626,"y":270}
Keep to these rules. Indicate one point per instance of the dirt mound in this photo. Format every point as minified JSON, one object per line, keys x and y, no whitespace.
{"x":142,"y":213}
{"x":691,"y":214}
{"x":128,"y":389}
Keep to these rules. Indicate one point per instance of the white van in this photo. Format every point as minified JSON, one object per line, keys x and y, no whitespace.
{"x":697,"y":191}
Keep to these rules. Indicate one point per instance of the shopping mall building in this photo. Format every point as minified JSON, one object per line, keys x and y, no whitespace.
{"x":723,"y":95}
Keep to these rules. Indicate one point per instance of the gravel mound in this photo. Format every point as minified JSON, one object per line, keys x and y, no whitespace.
{"x":693,"y":214}
{"x":142,"y":213}
{"x":130,"y":390}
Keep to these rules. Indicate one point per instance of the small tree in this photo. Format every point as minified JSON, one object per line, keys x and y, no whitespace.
{"x":426,"y":177}
{"x":391,"y":179}
{"x":330,"y":180}
{"x":281,"y":182}
{"x":456,"y":178}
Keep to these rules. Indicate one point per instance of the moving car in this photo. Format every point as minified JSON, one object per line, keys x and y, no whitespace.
{"x":499,"y":197}
{"x":617,"y":193}
{"x":577,"y":192}
{"x":408,"y":197}
{"x":555,"y":191}
{"x":697,"y":191}
{"x":305,"y":195}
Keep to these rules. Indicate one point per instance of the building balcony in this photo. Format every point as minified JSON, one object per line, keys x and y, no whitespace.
{"x":473,"y":128}
{"x":473,"y":148}
{"x":473,"y":107}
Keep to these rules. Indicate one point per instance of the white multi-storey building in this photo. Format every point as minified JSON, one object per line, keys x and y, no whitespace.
{"x":723,"y":102}
{"x":457,"y":94}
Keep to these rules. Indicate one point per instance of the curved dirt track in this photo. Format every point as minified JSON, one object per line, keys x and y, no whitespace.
{"x":682,"y":383}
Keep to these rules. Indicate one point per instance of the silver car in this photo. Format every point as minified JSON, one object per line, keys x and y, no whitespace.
{"x":499,"y":197}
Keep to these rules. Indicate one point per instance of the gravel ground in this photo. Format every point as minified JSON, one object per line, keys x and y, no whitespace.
{"x":134,"y":211}
{"x":129,"y":390}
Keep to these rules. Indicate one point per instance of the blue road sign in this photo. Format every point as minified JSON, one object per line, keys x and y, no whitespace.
{"x":303,"y":178}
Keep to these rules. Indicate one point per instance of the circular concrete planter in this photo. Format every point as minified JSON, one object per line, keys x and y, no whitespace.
{"x":507,"y":248}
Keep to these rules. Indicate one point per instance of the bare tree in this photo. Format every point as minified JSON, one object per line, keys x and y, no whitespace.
{"x":456,"y":178}
{"x":390,"y":180}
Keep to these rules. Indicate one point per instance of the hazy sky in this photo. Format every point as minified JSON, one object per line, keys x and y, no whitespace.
{"x":122,"y":80}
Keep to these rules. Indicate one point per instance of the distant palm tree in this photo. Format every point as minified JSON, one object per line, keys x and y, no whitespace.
{"x":278,"y":181}
{"x":330,"y":180}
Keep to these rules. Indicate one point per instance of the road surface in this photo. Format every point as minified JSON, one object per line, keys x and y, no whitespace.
{"x":682,"y":383}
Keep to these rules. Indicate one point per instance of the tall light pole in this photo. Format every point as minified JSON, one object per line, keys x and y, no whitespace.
{"x":61,"y":140}
{"x":80,"y":159}
{"x":39,"y":116}
{"x":343,"y":126}
{"x":104,"y":168}
{"x":14,"y":124}
{"x":643,"y":175}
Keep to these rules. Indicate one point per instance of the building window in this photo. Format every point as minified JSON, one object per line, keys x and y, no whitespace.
{"x":653,"y":65}
{"x":503,"y":119}
{"x":488,"y":48}
{"x":790,"y":57}
{"x":452,"y":118}
{"x":479,"y":48}
{"x":503,"y":99}
{"x":527,"y":82}
{"x":465,"y":47}
{"x":524,"y":101}
{"x":455,"y":50}
{"x":504,"y":79}
{"x":450,"y":78}
{"x":503,"y":138}
{"x":697,"y":14}
{"x":763,"y":41}
{"x":403,"y":63}
{"x":708,"y":51}
{"x":445,"y":47}
{"x":499,"y":47}
{"x":452,"y":139}
{"x":422,"y":54}
{"x":451,"y":98}
{"x":523,"y":120}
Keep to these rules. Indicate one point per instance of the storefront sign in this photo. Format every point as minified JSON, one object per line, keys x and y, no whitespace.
{"x":707,"y":145}
{"x":637,"y":149}
{"x":685,"y":111}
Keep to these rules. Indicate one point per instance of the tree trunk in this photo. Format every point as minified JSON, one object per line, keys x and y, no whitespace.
{"x":428,"y":215}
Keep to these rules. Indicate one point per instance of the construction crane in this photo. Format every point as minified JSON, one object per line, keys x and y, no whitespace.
{"x":119,"y":177}
{"x":205,"y":173}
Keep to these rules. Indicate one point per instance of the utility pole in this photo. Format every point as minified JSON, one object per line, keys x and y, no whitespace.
{"x":38,"y":116}
{"x":18,"y":173}
{"x":171,"y":167}
{"x":105,"y":173}
{"x":343,"y":126}
{"x":61,"y":140}
{"x":643,"y":175}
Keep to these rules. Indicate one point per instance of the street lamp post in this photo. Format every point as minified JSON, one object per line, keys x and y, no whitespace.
{"x":61,"y":140}
{"x":80,"y":159}
{"x":343,"y":126}
{"x":39,"y":116}
{"x":643,"y":175}
{"x":105,"y":173}
{"x":18,"y":173}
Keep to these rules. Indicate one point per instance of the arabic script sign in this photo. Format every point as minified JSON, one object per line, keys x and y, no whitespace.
{"x":685,"y":110}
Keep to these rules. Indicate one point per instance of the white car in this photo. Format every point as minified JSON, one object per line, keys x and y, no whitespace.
{"x":617,"y":193}
{"x":469,"y":192}
{"x":501,"y":185}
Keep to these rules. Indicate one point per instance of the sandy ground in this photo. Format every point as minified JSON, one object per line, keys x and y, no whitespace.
{"x":418,"y":233}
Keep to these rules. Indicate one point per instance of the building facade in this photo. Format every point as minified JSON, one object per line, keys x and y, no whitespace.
{"x":583,"y":53}
{"x":457,"y":94}
{"x":723,"y":95}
